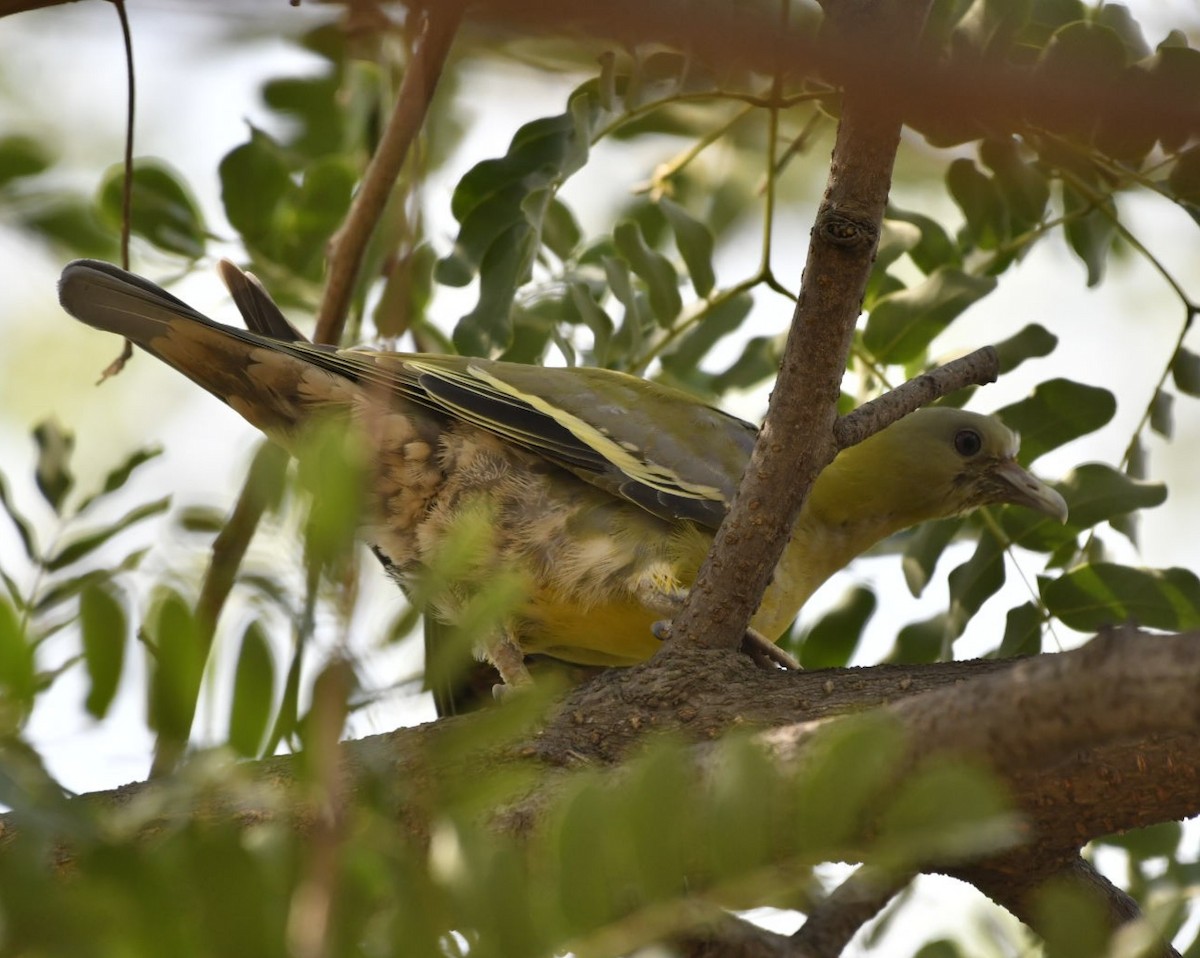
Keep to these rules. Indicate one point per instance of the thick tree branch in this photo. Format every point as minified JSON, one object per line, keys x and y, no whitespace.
{"x":1016,"y":884}
{"x":1089,"y":742}
{"x":967,"y":92}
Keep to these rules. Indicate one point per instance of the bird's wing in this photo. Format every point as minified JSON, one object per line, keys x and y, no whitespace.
{"x":656,"y":447}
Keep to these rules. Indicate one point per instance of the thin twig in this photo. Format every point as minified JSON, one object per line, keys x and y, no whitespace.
{"x":348,"y":244}
{"x":974,"y":369}
{"x":127,"y":179}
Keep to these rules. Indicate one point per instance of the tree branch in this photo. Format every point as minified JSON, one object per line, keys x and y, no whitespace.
{"x":1016,"y":889}
{"x":830,"y":926}
{"x":965,"y":92}
{"x":1089,"y":742}
{"x":347,"y":245}
{"x":975,"y":369}
{"x":797,"y":438}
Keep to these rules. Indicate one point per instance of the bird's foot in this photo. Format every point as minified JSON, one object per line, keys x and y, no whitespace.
{"x":506,"y":655}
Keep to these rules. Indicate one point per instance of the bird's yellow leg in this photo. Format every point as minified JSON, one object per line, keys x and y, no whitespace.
{"x":506,"y":655}
{"x":762,"y":650}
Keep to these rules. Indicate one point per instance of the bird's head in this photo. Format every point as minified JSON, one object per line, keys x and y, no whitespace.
{"x":933,"y":463}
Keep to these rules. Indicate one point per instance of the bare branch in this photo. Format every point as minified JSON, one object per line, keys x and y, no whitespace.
{"x":975,"y":369}
{"x":348,"y":244}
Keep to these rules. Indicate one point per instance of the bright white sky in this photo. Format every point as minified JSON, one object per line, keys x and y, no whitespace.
{"x":63,"y":80}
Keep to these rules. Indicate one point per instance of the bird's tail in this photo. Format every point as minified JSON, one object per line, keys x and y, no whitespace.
{"x":257,"y":375}
{"x":109,"y":298}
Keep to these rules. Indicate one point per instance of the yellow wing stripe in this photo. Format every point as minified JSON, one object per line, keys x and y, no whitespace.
{"x":650,"y":474}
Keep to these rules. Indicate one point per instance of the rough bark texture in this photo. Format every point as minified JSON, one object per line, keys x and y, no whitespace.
{"x":797,"y":438}
{"x":1089,"y":742}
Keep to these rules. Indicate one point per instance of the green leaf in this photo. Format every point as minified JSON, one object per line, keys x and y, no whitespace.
{"x":316,"y":120}
{"x":1090,"y":228}
{"x":203,"y":520}
{"x":164,"y":212}
{"x":919,"y":825}
{"x":1185,"y":368}
{"x":1184,"y":178}
{"x":331,"y":462}
{"x":14,"y":591}
{"x":595,"y":319}
{"x":935,"y":248}
{"x":1103,"y":593}
{"x":22,"y":156}
{"x":79,"y":547}
{"x":902,"y":325}
{"x":17,"y":667}
{"x":1058,"y":411}
{"x":103,"y":625}
{"x":312,"y":212}
{"x":253,"y":692}
{"x":1098,"y":493}
{"x":561,"y":233}
{"x":1161,"y":419}
{"x":1175,"y":66}
{"x":407,"y":293}
{"x":973,"y":583}
{"x":979,"y":199}
{"x":177,"y":668}
{"x":490,"y":198}
{"x":628,"y":338}
{"x":1117,"y":18}
{"x":66,"y":589}
{"x":1072,"y":918}
{"x":120,"y":475}
{"x":896,"y":238}
{"x":483,"y":227}
{"x":24,"y":529}
{"x":1024,"y":189}
{"x":832,"y":640}
{"x":1082,"y":49}
{"x":255,"y":177}
{"x":488,"y":327}
{"x":654,"y":269}
{"x":684,"y":360}
{"x":922,"y":641}
{"x":695,"y":243}
{"x":73,"y":223}
{"x":1032,"y":342}
{"x":922,"y":549}
{"x":53,"y":470}
{"x":759,"y":361}
{"x":1022,"y":631}
{"x":1153,"y":841}
{"x":1138,"y":467}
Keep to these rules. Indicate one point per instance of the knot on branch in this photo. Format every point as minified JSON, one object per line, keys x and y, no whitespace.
{"x":845,"y":230}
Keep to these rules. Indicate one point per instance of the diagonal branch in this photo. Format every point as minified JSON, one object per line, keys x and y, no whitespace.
{"x":349,"y":243}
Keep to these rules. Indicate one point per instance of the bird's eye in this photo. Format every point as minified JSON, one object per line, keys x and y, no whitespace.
{"x":967,"y":442}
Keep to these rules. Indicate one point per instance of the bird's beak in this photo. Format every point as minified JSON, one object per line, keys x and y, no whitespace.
{"x":1022,"y":488}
